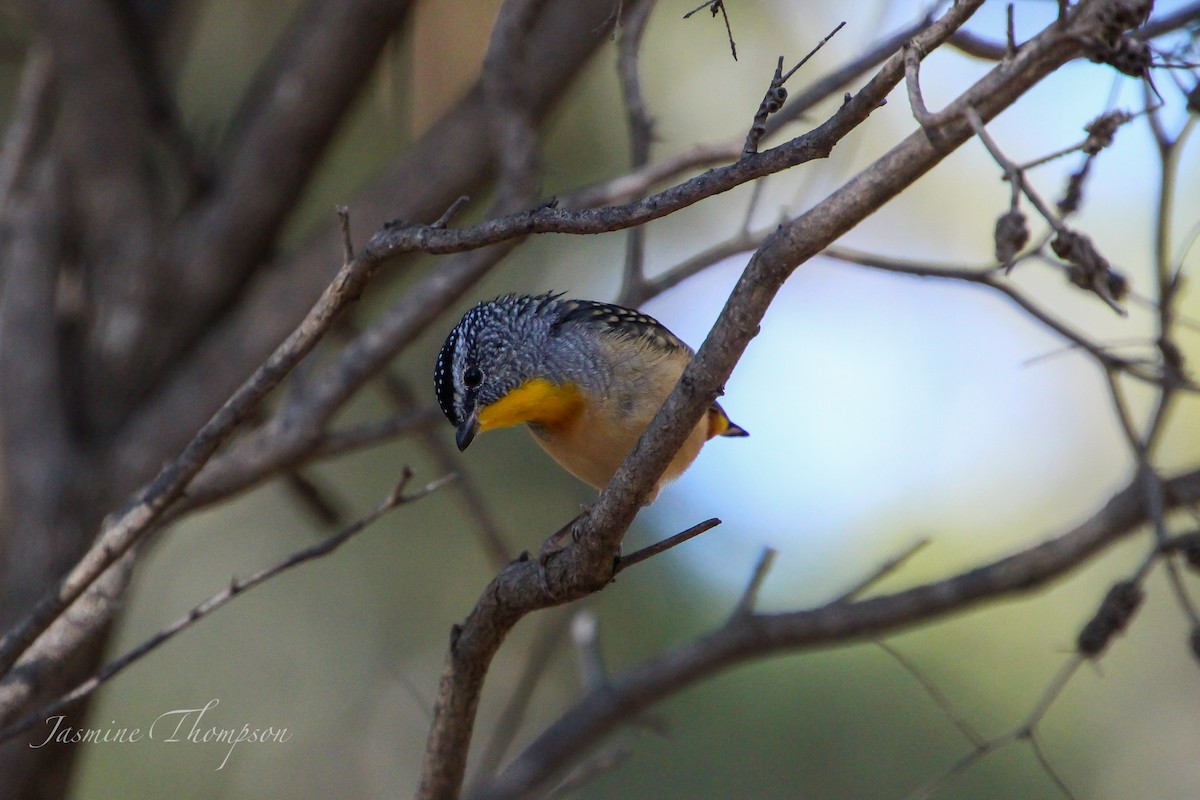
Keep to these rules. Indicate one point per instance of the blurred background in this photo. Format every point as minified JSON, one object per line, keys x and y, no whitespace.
{"x":882,"y":410}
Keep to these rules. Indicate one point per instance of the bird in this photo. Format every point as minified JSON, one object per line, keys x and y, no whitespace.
{"x":586,"y":377}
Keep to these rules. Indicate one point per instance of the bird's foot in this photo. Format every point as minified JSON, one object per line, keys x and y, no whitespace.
{"x":558,"y":541}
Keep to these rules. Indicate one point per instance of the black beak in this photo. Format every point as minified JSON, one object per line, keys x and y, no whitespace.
{"x":466,"y":431}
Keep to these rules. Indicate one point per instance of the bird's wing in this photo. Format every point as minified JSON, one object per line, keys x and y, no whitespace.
{"x":620,"y":321}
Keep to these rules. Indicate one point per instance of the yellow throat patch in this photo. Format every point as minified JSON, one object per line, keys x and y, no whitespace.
{"x":536,"y":400}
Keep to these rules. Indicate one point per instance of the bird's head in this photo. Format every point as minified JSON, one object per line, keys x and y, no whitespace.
{"x":490,"y":371}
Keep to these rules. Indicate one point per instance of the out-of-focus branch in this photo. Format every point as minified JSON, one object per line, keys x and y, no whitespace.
{"x":641,"y":130}
{"x":103,"y":139}
{"x":30,"y":120}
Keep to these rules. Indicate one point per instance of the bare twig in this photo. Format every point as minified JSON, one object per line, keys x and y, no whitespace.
{"x":717,"y":6}
{"x":936,"y":695}
{"x":749,"y":600}
{"x":1044,"y":762}
{"x":625,"y":562}
{"x":744,"y":242}
{"x":982,"y":746}
{"x":1012,"y":172}
{"x":986,"y":276}
{"x":1011,"y":35}
{"x":912,"y":81}
{"x":343,"y":214}
{"x":882,"y":571}
{"x":776,"y":95}
{"x":450,"y":213}
{"x":625,"y":187}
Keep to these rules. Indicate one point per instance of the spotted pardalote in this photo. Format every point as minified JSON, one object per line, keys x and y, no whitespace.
{"x":585,"y":377}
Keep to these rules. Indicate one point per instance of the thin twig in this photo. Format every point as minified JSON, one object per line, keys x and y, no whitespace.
{"x":1051,"y":693}
{"x":776,"y":96}
{"x":638,"y":556}
{"x":986,"y":276}
{"x":1012,"y":172}
{"x":343,"y":214}
{"x":637,"y":182}
{"x":1025,"y":730}
{"x":1011,"y":33}
{"x":451,"y":212}
{"x":749,"y":600}
{"x":931,"y":787}
{"x":717,"y":6}
{"x":936,"y":695}
{"x":882,"y":571}
{"x":916,"y":101}
{"x":1036,"y":746}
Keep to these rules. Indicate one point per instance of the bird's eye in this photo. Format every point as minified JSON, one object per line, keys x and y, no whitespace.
{"x":473,"y":377}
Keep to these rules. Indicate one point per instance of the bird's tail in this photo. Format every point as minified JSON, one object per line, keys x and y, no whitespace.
{"x":719,"y":423}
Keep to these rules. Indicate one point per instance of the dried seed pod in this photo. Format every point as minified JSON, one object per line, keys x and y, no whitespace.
{"x":1072,"y":198}
{"x":1113,"y":616}
{"x":1128,"y":56}
{"x":1103,"y":129}
{"x":1012,"y":234}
